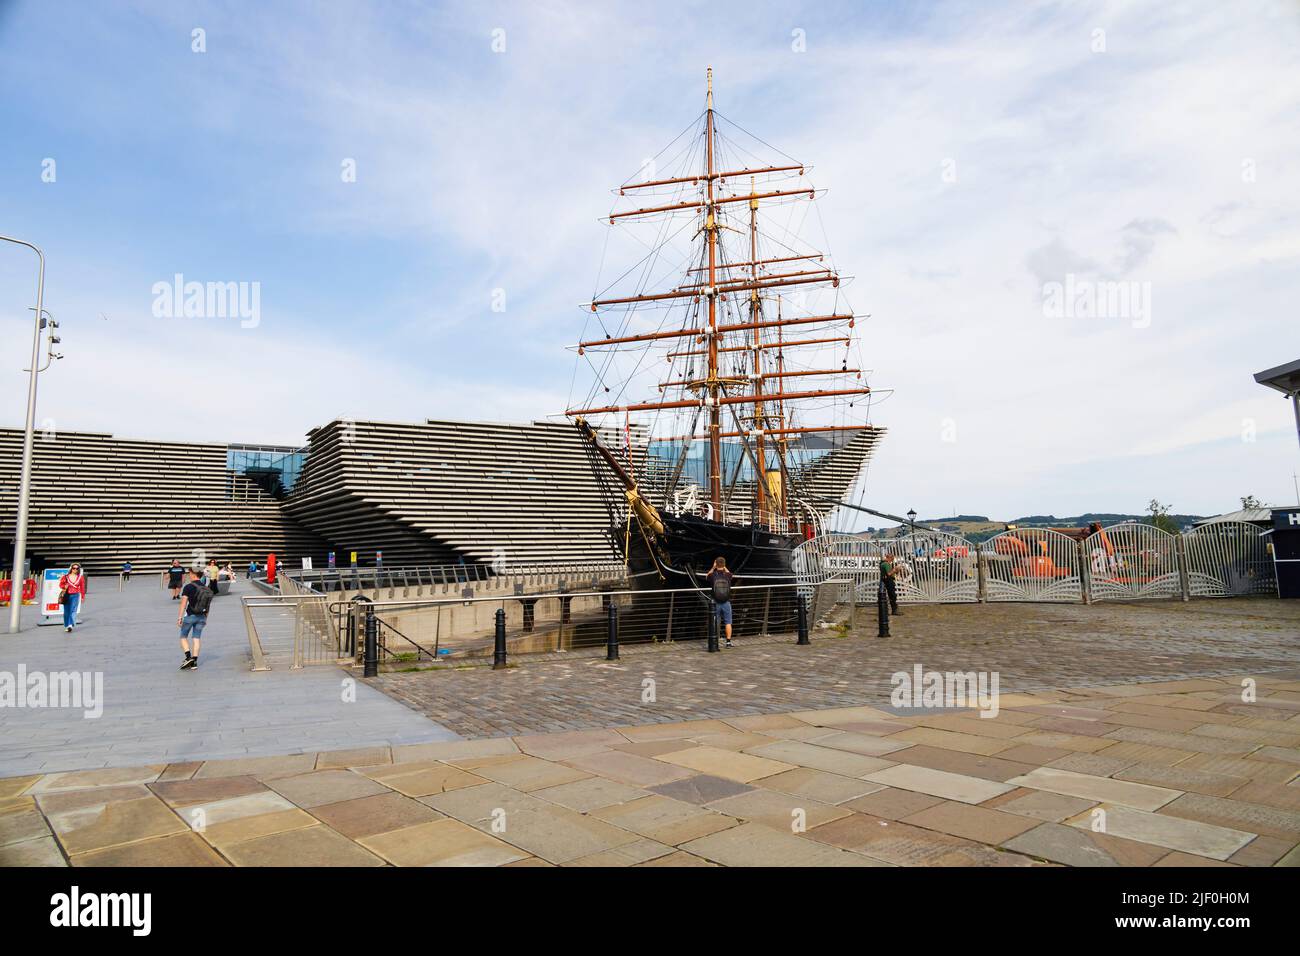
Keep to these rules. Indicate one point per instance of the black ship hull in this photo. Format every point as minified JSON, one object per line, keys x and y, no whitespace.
{"x":687,"y":548}
{"x":763,"y":598}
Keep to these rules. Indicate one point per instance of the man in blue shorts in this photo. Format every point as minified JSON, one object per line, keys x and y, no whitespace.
{"x":720,"y":580}
{"x":196,"y":599}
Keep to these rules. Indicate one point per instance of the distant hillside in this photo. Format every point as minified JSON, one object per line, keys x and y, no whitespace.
{"x":1079,"y":521}
{"x":980,"y":528}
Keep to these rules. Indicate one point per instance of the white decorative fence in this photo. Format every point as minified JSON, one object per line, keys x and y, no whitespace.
{"x":1128,"y":561}
{"x":1123,"y":562}
{"x":931,"y":566}
{"x":845,"y":559}
{"x":1031,"y":564}
{"x":934,"y":567}
{"x":1228,"y":559}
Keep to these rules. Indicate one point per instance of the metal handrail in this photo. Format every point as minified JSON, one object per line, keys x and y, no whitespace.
{"x":541,"y":596}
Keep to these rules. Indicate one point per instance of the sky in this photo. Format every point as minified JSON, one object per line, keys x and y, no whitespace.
{"x":414,"y":190}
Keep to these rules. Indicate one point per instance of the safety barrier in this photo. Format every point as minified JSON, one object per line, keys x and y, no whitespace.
{"x":27,"y":594}
{"x":1128,"y":561}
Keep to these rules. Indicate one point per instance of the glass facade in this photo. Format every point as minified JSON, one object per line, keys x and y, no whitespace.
{"x":273,"y":469}
{"x":800,"y":453}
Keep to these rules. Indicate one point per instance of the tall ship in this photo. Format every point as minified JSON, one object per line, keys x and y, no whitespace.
{"x":727,"y":409}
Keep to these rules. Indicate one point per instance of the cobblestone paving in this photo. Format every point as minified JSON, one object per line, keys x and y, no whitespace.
{"x":1167,"y":773}
{"x":1031,"y":646}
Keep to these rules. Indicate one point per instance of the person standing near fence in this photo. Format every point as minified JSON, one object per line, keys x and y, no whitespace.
{"x":720,"y":580}
{"x":196,"y":599}
{"x":72,"y":588}
{"x":888,"y":570}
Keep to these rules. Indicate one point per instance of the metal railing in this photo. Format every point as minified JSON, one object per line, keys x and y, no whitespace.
{"x":449,"y":578}
{"x":294,"y":626}
{"x":299,"y":626}
{"x":465,"y":629}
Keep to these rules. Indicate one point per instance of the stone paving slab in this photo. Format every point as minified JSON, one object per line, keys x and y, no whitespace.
{"x":629,"y":854}
{"x":1137,"y":795}
{"x":1072,"y":846}
{"x":828,"y":759}
{"x":752,"y":844}
{"x":819,"y":785}
{"x":973,"y":823}
{"x":687,"y":793}
{"x":380,"y":813}
{"x":888,"y":841}
{"x":778,"y":810}
{"x":664,"y":819}
{"x":1042,"y":805}
{"x":1189,"y":836}
{"x":242,"y":829}
{"x":591,"y":793}
{"x":939,"y":783}
{"x":740,"y":767}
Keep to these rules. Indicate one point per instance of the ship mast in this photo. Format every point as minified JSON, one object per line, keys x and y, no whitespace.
{"x":755,"y":313}
{"x":711,"y":234}
{"x":715,"y":277}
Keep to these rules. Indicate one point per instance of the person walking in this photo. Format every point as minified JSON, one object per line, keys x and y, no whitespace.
{"x":252,"y":569}
{"x":196,"y":600}
{"x":72,"y":588}
{"x":175,"y":578}
{"x":210,"y":575}
{"x":888,"y":571}
{"x":720,"y":581}
{"x":126,"y":571}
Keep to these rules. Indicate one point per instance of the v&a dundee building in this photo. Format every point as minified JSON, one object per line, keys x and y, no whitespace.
{"x":430,"y":493}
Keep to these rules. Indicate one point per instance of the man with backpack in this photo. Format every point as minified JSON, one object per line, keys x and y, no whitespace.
{"x":720,"y":580}
{"x":196,"y":599}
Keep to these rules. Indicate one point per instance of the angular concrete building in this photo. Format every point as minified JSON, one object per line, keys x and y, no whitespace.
{"x":102,"y":500}
{"x":431,"y":493}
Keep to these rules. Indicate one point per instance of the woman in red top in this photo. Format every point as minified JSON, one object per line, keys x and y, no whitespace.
{"x":73,"y":588}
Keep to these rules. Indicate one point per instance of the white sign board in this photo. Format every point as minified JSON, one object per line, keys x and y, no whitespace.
{"x":51,"y":609}
{"x":306,"y":564}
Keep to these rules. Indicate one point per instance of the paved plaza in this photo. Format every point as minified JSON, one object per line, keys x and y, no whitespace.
{"x":1032,"y":647}
{"x":1169,"y":773}
{"x":1153,"y":734}
{"x":152,"y":712}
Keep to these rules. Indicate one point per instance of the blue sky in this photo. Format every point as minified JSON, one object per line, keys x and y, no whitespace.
{"x":971,"y":153}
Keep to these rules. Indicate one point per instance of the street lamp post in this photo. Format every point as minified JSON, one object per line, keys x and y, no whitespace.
{"x":25,"y":481}
{"x":911,"y":519}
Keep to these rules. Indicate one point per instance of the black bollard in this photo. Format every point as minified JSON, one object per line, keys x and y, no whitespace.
{"x":371,"y":664}
{"x":611,"y":640}
{"x":802,"y":611}
{"x":499,"y":651}
{"x":713,"y":628}
{"x":882,"y":611}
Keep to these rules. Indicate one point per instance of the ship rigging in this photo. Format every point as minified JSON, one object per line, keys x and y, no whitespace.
{"x":763,"y":388}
